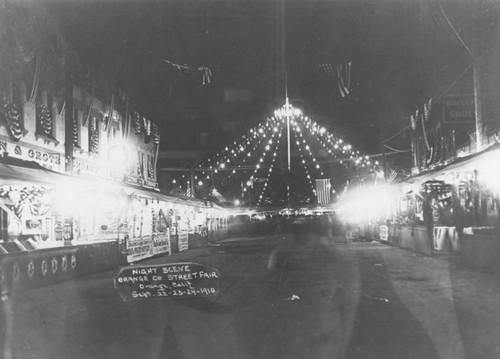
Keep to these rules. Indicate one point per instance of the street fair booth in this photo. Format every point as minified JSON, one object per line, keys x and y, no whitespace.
{"x":55,"y":226}
{"x":454,"y":208}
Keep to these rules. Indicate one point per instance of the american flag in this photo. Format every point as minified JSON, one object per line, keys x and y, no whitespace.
{"x":392,"y":176}
{"x":188,"y":190}
{"x":323,"y":190}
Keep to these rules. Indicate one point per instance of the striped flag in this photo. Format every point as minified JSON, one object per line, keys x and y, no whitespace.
{"x":344,"y":78}
{"x":392,"y":176}
{"x":323,"y":190}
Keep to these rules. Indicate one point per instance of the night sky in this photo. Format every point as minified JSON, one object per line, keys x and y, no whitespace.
{"x":402,"y":53}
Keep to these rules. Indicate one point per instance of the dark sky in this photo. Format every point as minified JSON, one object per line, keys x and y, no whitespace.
{"x":402,"y":53}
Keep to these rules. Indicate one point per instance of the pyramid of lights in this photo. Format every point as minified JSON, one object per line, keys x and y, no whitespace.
{"x":276,"y":163}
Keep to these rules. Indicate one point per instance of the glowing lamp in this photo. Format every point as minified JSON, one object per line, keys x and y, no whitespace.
{"x":118,"y":154}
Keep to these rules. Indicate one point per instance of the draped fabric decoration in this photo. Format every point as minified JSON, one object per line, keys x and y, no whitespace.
{"x":75,"y":130}
{"x":207,"y":75}
{"x":156,"y":133}
{"x":137,"y":122}
{"x":110,"y":120}
{"x":342,"y":72}
{"x":427,"y":135}
{"x":151,"y":170}
{"x":26,"y":201}
{"x":344,"y":78}
{"x":36,"y":79}
{"x":44,"y":120}
{"x":140,"y":164}
{"x":91,"y":103}
{"x":11,"y":117}
{"x":94,"y":136}
{"x":146,"y":125}
{"x":190,"y":70}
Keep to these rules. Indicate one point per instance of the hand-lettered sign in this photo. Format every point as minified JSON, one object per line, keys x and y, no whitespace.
{"x":177,"y":280}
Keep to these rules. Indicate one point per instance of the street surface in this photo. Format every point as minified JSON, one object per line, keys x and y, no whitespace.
{"x":296,"y":295}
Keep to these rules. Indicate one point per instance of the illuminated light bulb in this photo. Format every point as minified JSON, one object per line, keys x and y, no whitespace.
{"x":261,"y":160}
{"x":303,"y":161}
{"x":249,"y":183}
{"x":249,"y":154}
{"x":317,"y":166}
{"x":270,"y":142}
{"x":234,"y":171}
{"x":216,"y":171}
{"x":268,"y":147}
{"x":174,"y":181}
{"x":257,"y":166}
{"x":222,"y":165}
{"x":242,"y":148}
{"x":275,"y":129}
{"x":340,"y":140}
{"x":261,"y":130}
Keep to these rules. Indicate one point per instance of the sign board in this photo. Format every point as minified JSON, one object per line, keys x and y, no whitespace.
{"x":167,"y":281}
{"x":384,"y":232}
{"x":139,"y":248}
{"x":51,"y":160}
{"x":161,"y":243}
{"x":460,"y":109}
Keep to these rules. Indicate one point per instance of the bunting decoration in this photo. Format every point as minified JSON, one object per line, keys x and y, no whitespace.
{"x":207,"y":74}
{"x":323,"y":190}
{"x":75,"y":134}
{"x":156,"y":133}
{"x":137,"y":122}
{"x":344,"y":78}
{"x":44,"y":119}
{"x":91,"y":103}
{"x":190,"y":70}
{"x":110,"y":114}
{"x":11,"y":117}
{"x":94,"y":136}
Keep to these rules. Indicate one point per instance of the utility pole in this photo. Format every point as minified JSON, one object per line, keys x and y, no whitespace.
{"x":478,"y":93}
{"x":68,"y":121}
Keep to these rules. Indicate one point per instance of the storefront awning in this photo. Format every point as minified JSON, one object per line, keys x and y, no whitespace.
{"x":487,"y":157}
{"x":15,"y":171}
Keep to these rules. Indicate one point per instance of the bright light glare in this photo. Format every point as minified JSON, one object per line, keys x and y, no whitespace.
{"x":359,"y":205}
